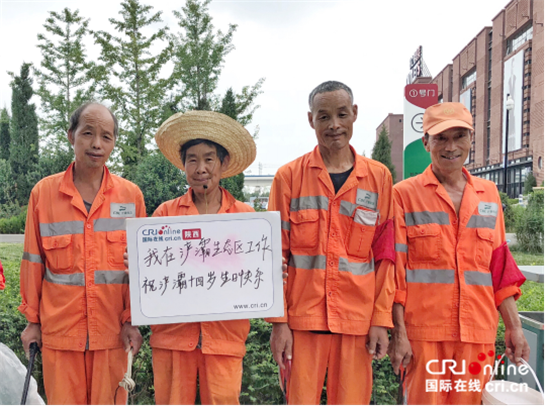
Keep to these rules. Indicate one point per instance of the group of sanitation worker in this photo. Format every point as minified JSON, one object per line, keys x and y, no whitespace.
{"x":425,"y":260}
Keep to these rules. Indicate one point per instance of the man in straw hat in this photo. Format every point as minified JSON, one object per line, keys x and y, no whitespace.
{"x":337,"y":233}
{"x":75,"y":294}
{"x":208,"y":146}
{"x":453,"y":270}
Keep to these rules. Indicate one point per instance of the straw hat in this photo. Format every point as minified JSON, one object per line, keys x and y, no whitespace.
{"x":231,"y":135}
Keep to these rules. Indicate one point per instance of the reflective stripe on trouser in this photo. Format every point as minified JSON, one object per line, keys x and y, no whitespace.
{"x":343,"y":357}
{"x":175,"y":377}
{"x":426,"y":217}
{"x":78,"y":279}
{"x":84,"y":378}
{"x":418,"y":379}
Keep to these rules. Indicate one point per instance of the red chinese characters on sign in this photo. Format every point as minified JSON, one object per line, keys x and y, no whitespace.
{"x":422,"y":95}
{"x":191,"y":234}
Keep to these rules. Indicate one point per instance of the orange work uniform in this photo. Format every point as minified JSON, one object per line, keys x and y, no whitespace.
{"x":446,"y":280}
{"x":73,"y":283}
{"x":213,"y":350}
{"x":338,"y":281}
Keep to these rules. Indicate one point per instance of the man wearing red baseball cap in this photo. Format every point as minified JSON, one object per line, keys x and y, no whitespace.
{"x":453,"y":271}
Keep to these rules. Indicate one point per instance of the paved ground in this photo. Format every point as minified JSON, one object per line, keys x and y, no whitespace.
{"x":19,"y":238}
{"x":16,"y":238}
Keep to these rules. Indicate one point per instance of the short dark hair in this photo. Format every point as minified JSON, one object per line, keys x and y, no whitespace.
{"x":74,"y":118}
{"x":329,"y":86}
{"x":221,"y":152}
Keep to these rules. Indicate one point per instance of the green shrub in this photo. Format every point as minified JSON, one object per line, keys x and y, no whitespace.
{"x":529,"y":183}
{"x":15,"y":224}
{"x":529,"y":225}
{"x":508,"y":212}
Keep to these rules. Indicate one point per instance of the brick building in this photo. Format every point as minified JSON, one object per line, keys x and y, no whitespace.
{"x":394,"y":126}
{"x":506,"y":58}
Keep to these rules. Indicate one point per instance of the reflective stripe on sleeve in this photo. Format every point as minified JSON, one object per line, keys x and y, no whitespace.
{"x":402,"y":248}
{"x":37,"y":259}
{"x":307,"y":261}
{"x":309,"y":202}
{"x":61,"y":228}
{"x":478,"y":278}
{"x":111,"y":277}
{"x":347,"y":208}
{"x":477,"y":221}
{"x":109,"y":224}
{"x":285,"y":225}
{"x":356,"y":268}
{"x":74,"y":279}
{"x":426,"y":217}
{"x":430,"y":275}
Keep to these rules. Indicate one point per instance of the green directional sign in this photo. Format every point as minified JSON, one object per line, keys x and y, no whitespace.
{"x":417,"y":98}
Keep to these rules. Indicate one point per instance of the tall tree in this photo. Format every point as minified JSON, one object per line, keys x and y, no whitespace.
{"x":65,"y":79}
{"x":129,"y":77}
{"x":382,"y":151}
{"x":199,"y":55}
{"x":529,"y":183}
{"x":24,"y":134}
{"x":234,"y":184}
{"x":4,"y":134}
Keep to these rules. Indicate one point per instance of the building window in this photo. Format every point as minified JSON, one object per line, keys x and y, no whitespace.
{"x":540,"y":163}
{"x":469,"y":79}
{"x":519,"y":40}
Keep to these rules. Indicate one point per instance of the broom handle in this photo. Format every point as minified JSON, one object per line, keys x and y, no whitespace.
{"x":32,"y":356}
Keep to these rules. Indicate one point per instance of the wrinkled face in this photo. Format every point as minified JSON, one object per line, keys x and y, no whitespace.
{"x":93,"y":140}
{"x":449,"y":149}
{"x":332,"y":117}
{"x":203,"y":167}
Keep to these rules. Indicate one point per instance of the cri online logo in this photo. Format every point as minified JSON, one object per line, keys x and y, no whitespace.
{"x":165,"y":230}
{"x":474,"y":368}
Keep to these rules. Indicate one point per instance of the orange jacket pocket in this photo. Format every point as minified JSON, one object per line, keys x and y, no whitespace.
{"x":424,"y":243}
{"x":58,"y":252}
{"x":304,"y":228}
{"x":117,"y":241}
{"x":362,"y":230}
{"x":485,"y":245}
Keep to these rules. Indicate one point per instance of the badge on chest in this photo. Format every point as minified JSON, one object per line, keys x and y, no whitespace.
{"x":122,"y":210}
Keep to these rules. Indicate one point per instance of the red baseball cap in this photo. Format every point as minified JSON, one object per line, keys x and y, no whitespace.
{"x":442,"y":116}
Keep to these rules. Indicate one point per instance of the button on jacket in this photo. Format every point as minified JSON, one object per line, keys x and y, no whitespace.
{"x":72,"y":273}
{"x":443,"y":260}
{"x":327,"y":238}
{"x":218,"y":337}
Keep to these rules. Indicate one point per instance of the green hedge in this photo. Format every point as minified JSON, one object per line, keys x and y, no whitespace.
{"x":260,"y":378}
{"x":14,"y":224}
{"x":529,"y":224}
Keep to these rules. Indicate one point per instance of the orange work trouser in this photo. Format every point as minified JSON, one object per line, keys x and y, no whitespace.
{"x":83,"y":378}
{"x":462,"y":385}
{"x":343,"y":357}
{"x":175,"y":377}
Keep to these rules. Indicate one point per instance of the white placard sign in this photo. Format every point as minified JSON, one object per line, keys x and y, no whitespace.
{"x":205,"y":267}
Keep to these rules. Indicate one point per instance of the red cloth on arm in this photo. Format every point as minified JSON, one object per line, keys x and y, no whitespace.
{"x":383,"y":242}
{"x":504,"y":269}
{"x":2,"y":278}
